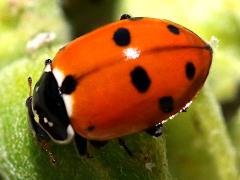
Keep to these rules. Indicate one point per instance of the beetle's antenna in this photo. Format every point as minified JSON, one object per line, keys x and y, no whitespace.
{"x":30,"y":86}
{"x":51,"y":157}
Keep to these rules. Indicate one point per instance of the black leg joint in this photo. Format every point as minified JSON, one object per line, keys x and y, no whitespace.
{"x":125,"y":16}
{"x":156,"y":130}
{"x":37,"y":130}
{"x":81,"y":145}
{"x":122,"y":143}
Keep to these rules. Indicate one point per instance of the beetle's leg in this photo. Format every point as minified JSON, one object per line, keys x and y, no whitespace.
{"x":81,"y":144}
{"x":123,"y":144}
{"x":45,"y":146}
{"x":155,"y":130}
{"x":41,"y":136}
{"x":38,"y":132}
{"x":125,"y":16}
{"x":30,"y":87}
{"x":98,"y":144}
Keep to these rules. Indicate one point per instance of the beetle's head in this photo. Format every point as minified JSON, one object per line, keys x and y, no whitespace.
{"x":49,"y":109}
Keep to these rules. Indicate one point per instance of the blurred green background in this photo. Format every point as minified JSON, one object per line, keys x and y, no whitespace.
{"x":200,"y":144}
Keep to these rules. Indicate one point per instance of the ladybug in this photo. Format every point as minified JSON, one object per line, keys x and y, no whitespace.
{"x":123,"y":78}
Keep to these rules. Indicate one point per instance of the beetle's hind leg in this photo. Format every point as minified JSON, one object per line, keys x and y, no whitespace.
{"x":156,"y":130}
{"x":125,"y":16}
{"x":41,"y":136}
{"x":99,"y":144}
{"x":123,"y":144}
{"x":81,"y":145}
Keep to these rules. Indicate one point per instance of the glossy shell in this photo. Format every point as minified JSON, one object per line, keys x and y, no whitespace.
{"x":130,"y":75}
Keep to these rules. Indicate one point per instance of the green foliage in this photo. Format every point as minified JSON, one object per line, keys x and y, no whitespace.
{"x":201,"y":145}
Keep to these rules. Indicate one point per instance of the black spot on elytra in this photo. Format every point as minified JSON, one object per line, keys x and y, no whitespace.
{"x":190,"y":70}
{"x":68,"y":85}
{"x":90,"y":128}
{"x":166,"y":104}
{"x":140,"y":79}
{"x":122,"y":37}
{"x":173,"y":29}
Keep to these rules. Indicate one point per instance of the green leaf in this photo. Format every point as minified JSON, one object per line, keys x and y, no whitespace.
{"x":234,"y":129}
{"x":198,"y":144}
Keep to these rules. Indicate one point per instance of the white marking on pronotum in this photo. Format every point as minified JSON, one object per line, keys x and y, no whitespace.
{"x":70,"y":132}
{"x":59,"y":76}
{"x":48,"y":68}
{"x":70,"y":135}
{"x":68,"y":104}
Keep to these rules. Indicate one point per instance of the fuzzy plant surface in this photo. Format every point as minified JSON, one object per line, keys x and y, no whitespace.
{"x":202,"y":143}
{"x":198,"y":142}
